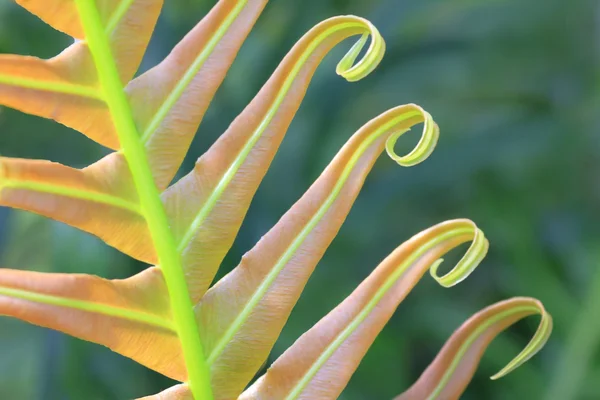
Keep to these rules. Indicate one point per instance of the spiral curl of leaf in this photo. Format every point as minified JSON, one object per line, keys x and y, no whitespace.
{"x":539,"y":339}
{"x":347,"y":68}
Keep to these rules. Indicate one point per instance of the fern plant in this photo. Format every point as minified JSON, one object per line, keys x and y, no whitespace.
{"x":169,"y":318}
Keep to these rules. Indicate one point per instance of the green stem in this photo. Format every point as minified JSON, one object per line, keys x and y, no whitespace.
{"x":158,"y":224}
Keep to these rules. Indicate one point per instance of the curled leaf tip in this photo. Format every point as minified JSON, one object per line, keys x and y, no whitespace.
{"x":453,"y":368}
{"x":537,"y":342}
{"x":467,"y":264}
{"x":423,"y":149}
{"x":351,"y":71}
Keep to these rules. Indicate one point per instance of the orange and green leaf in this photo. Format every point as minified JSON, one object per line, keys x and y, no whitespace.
{"x":94,"y":199}
{"x":130,"y":316}
{"x":449,"y":374}
{"x":166,"y":318}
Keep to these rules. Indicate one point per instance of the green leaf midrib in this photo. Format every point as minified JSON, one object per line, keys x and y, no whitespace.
{"x":93,"y":307}
{"x":100,"y":198}
{"x":156,"y":218}
{"x":118,"y":15}
{"x":64,"y":88}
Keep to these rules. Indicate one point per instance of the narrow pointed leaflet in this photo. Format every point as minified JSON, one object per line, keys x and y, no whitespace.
{"x":207,"y":206}
{"x":65,"y":88}
{"x":451,"y":371}
{"x":271,"y":276}
{"x":320,"y":363}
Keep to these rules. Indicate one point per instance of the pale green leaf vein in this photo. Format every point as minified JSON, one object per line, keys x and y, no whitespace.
{"x":98,"y":308}
{"x":55,"y":87}
{"x":118,"y":15}
{"x":101,"y":198}
{"x":191,"y":72}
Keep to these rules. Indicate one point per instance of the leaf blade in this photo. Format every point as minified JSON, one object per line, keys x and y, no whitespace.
{"x":185,"y":82}
{"x":92,"y":199}
{"x":128,"y":316}
{"x":201,"y":205}
{"x":90,"y":306}
{"x":60,"y":14}
{"x":454,"y":366}
{"x":63,"y":88}
{"x":177,"y":392}
{"x":128,"y":23}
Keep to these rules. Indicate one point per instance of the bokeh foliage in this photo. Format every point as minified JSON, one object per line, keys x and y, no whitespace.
{"x":514,"y":87}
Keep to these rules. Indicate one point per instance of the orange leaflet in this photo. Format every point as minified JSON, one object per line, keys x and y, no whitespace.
{"x":449,"y":374}
{"x":131,"y":317}
{"x":271,"y":276}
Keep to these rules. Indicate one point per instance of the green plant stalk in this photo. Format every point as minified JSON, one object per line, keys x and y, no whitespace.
{"x":162,"y":237}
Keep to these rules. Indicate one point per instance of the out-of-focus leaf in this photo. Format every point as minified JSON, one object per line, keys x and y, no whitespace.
{"x":449,"y":374}
{"x":320,"y":363}
{"x":240,"y":330}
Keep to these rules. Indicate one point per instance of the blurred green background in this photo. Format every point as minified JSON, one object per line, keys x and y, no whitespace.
{"x":514,"y":87}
